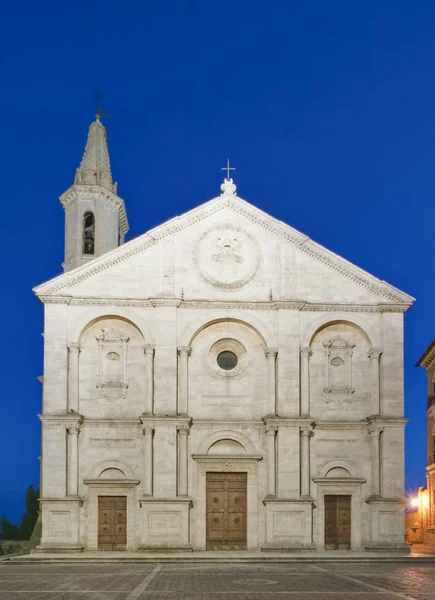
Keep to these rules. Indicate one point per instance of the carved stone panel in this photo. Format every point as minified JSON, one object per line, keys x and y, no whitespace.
{"x":227,"y":258}
{"x":112,"y":351}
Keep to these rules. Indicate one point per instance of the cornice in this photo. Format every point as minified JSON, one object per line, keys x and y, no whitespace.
{"x":261,"y":305}
{"x":342,"y":266}
{"x":339,"y":481}
{"x":113,"y":201}
{"x":165,"y":302}
{"x":218,"y":458}
{"x":428,"y":357}
{"x":380,"y":500}
{"x":202,"y":212}
{"x":67,"y":418}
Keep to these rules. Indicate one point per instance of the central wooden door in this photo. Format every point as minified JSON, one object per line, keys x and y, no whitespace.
{"x":112,"y":522}
{"x":337,"y":522}
{"x":226,"y":511}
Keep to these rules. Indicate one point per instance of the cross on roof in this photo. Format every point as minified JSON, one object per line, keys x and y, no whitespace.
{"x":228,"y":169}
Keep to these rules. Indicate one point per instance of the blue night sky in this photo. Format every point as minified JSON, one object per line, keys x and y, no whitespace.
{"x":327,"y":109}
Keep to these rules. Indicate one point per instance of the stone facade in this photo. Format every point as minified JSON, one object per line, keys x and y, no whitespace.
{"x":136,"y":404}
{"x":426,"y":495}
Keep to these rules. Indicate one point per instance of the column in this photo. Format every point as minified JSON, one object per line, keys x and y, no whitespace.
{"x":271,"y":354}
{"x":183,"y":433}
{"x":149,"y":379}
{"x":271,"y":459}
{"x":375,"y":356}
{"x":306,"y":433}
{"x":148,"y":431}
{"x":73,"y":377}
{"x":183,"y":379}
{"x":375,"y":433}
{"x":73,"y":459}
{"x":305,"y":381}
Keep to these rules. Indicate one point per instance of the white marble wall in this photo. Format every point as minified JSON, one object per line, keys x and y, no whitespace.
{"x":294,"y":417}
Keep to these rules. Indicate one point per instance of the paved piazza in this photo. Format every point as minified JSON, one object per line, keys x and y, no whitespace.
{"x":184,"y":581}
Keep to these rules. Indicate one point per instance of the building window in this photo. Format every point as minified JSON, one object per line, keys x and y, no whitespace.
{"x":88,"y":233}
{"x":227,"y":360}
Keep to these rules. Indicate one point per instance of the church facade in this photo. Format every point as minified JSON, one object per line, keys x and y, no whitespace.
{"x":221,"y":382}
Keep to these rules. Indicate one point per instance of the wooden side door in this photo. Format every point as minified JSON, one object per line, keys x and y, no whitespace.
{"x":343,"y":522}
{"x":226,"y":511}
{"x":112,"y":522}
{"x":337,"y":522}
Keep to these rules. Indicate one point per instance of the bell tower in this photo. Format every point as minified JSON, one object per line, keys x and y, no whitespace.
{"x":95,"y":216}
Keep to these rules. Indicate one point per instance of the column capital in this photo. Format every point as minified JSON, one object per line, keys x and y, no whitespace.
{"x":306,"y":351}
{"x":74,"y":429}
{"x":148,"y":429}
{"x":307,"y":430}
{"x":271,"y":429}
{"x":375,"y":353}
{"x":74,"y":348}
{"x":149,"y":349}
{"x":184,"y":350}
{"x":183,"y":429}
{"x":271,"y":353}
{"x":374,"y":429}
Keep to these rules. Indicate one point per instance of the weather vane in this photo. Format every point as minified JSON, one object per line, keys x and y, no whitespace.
{"x":100,"y":112}
{"x":228,"y":169}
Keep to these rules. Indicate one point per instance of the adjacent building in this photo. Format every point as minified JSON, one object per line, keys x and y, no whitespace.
{"x":221,"y":382}
{"x":423,"y":527}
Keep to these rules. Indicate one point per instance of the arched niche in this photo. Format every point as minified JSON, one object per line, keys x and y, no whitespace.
{"x":110,"y":321}
{"x":192,"y":329}
{"x":226,"y":436}
{"x":313,"y":328}
{"x":337,"y":468}
{"x":338,"y":473}
{"x":112,"y":473}
{"x":340,"y":367}
{"x":111,"y":362}
{"x":95,"y":313}
{"x":226,"y":447}
{"x":109,"y":468}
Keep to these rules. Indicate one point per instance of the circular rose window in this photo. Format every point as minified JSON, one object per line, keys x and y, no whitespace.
{"x":227,"y":360}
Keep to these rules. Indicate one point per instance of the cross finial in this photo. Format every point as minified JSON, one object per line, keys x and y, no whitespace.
{"x":228,"y":169}
{"x":100,"y":112}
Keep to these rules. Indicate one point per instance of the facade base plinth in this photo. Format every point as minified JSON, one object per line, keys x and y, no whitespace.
{"x":280,"y":548}
{"x":399,"y":548}
{"x":166,"y":524}
{"x":156,"y":549}
{"x":57,"y":548}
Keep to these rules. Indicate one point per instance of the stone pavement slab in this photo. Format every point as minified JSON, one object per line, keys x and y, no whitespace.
{"x":221,"y":581}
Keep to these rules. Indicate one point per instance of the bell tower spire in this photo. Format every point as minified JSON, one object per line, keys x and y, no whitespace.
{"x":95,"y":216}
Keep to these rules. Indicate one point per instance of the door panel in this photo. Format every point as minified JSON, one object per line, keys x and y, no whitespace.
{"x":226,"y":497}
{"x":112,"y":522}
{"x":337,"y":522}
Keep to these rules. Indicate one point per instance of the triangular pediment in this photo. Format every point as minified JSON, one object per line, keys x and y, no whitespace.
{"x":232,"y":208}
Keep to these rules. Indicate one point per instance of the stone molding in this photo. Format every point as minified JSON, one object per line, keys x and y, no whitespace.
{"x":116,"y":203}
{"x":339,"y":480}
{"x":77,"y":499}
{"x":107,"y":483}
{"x":380,"y":500}
{"x":239,"y":206}
{"x":224,"y":305}
{"x":230,"y":458}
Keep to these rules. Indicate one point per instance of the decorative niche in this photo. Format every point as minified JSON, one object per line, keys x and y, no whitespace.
{"x":112,"y":354}
{"x":338,"y":356}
